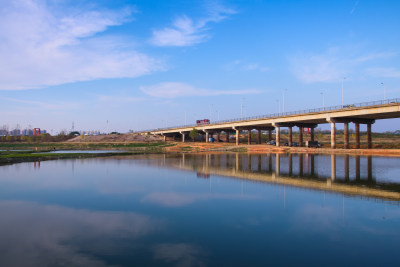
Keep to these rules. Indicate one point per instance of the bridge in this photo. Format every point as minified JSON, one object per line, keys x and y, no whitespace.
{"x":359,"y":113}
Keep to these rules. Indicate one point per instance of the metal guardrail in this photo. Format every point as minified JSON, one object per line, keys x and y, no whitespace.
{"x":283,"y":114}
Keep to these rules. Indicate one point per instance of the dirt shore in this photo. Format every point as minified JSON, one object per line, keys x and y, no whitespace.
{"x":191,"y":147}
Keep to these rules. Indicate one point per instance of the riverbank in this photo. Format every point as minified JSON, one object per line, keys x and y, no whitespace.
{"x":30,"y":152}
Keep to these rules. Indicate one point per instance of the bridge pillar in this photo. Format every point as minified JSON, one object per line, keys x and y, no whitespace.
{"x":218,"y":136}
{"x":290,"y":136}
{"x":237,"y":137}
{"x":278,"y":135}
{"x":269,"y":135}
{"x":369,"y":136}
{"x":301,"y":136}
{"x":357,"y":125}
{"x":259,"y":137}
{"x":312,"y":133}
{"x":333,"y":135}
{"x":207,"y":137}
{"x":227,"y":136}
{"x":249,"y":137}
{"x":183,"y":137}
{"x":346,"y":135}
{"x":165,"y":138}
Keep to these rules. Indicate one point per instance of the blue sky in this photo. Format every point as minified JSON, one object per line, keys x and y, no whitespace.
{"x":148,"y":64}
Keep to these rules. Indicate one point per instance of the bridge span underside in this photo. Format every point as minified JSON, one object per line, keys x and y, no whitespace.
{"x":356,"y":115}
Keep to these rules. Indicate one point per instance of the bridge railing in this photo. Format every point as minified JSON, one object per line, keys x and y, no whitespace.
{"x":289,"y":113}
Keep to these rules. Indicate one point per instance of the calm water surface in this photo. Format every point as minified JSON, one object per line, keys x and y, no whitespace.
{"x":201,"y":210}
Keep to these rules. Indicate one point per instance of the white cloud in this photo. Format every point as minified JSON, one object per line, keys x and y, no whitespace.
{"x":185,"y":32}
{"x":43,"y":44}
{"x":384,"y":72}
{"x":176,"y":89}
{"x":330,"y":66}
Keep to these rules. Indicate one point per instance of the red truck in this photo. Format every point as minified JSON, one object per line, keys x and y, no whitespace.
{"x":201,"y":122}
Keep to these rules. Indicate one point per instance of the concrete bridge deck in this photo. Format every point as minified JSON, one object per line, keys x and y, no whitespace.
{"x":360,"y":113}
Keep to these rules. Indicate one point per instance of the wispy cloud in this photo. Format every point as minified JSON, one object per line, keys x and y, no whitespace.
{"x":245,"y":66}
{"x":354,"y":7}
{"x":384,"y":72}
{"x":119,"y":99}
{"x":177,"y":89}
{"x":185,"y":31}
{"x":331,"y":65}
{"x":46,"y":105}
{"x":44,"y":44}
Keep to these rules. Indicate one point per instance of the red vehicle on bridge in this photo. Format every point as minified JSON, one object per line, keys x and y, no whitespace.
{"x":201,"y":122}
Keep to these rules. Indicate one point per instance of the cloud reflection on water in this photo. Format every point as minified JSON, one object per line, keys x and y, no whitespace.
{"x":40,"y":235}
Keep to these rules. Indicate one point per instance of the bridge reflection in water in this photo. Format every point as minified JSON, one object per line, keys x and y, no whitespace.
{"x":354,"y":177}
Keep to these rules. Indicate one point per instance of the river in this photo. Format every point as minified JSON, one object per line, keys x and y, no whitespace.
{"x":233,"y":209}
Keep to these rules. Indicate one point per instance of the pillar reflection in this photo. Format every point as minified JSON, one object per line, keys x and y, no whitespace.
{"x":357,"y":158}
{"x":277,"y":165}
{"x":346,"y":167}
{"x":333,"y":167}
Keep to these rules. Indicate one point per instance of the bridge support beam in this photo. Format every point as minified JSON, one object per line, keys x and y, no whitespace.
{"x":237,"y":136}
{"x":346,"y":135}
{"x":357,"y":130}
{"x":218,"y":136}
{"x":249,"y":137}
{"x":259,"y":136}
{"x":165,"y":138}
{"x":269,"y":135}
{"x":290,"y":142}
{"x":312,"y":134}
{"x":333,"y":135}
{"x":227,"y":136}
{"x":369,"y":136}
{"x":278,"y":135}
{"x":183,"y":137}
{"x":301,"y":136}
{"x":207,"y":137}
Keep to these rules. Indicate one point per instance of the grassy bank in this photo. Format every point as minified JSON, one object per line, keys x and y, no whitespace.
{"x":28,"y":152}
{"x":81,"y":146}
{"x":30,"y":156}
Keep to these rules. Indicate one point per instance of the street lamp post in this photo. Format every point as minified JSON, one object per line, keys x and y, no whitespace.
{"x":384,"y":91}
{"x":342,"y":90}
{"x":279,"y":106}
{"x":283,"y":100}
